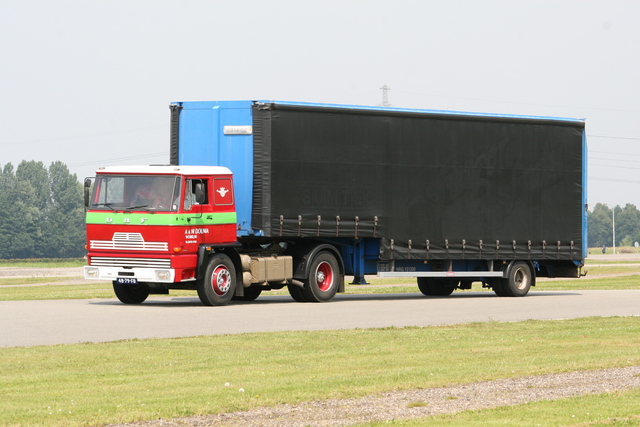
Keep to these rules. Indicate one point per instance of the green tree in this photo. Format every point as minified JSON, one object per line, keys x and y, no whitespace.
{"x":20,"y":216}
{"x":600,"y":226}
{"x":628,"y":225}
{"x":37,"y":175}
{"x":41,"y":212}
{"x":66,"y":213}
{"x":32,"y":178}
{"x":627,"y":222}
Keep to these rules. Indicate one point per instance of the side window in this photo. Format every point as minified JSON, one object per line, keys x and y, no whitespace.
{"x":195,"y":188}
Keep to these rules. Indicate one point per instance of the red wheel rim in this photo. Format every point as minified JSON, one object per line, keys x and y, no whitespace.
{"x":220,"y":280}
{"x":324,"y":276}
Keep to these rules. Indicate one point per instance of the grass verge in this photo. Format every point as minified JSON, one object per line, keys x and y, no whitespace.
{"x":619,"y":408}
{"x":89,"y":384}
{"x":43,"y":262}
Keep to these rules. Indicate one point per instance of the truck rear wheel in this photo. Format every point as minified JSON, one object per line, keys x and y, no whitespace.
{"x":324,"y":275}
{"x":250,"y":294}
{"x":219,"y":282}
{"x":131,"y":294}
{"x":297,"y":293}
{"x":436,"y":287}
{"x":518,"y":283}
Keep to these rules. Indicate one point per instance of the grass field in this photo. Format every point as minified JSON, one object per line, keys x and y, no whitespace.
{"x":89,"y":384}
{"x":93,"y":384}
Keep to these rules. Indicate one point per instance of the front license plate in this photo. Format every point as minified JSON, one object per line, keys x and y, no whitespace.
{"x":127,"y":280}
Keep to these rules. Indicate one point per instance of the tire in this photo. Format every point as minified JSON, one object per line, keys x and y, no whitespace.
{"x":519,"y":281}
{"x":219,"y":282}
{"x":250,"y":294}
{"x":498,"y":288}
{"x":131,"y":294}
{"x":322,"y":283}
{"x":297,"y":293}
{"x":436,"y":287}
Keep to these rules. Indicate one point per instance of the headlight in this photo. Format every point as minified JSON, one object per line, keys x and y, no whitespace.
{"x":163,"y":275}
{"x":92,"y":272}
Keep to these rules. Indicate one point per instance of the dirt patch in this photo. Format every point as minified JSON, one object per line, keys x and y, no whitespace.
{"x":419,"y":403}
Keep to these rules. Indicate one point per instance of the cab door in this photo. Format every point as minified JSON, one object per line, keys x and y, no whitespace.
{"x":208,"y":204}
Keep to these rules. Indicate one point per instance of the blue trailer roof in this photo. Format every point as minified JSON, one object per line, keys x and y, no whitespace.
{"x":423,"y":111}
{"x":247,"y":103}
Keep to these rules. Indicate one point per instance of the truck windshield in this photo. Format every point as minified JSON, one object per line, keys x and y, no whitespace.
{"x":156,"y":193}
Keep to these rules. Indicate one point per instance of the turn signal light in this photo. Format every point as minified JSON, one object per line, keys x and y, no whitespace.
{"x":177,"y":249}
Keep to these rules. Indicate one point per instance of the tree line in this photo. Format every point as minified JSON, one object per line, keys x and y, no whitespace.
{"x":627,"y":229}
{"x":41,"y":212}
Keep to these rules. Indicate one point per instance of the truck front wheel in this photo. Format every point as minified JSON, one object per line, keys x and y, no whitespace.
{"x":219,"y":282}
{"x":323,"y":281}
{"x":131,"y":294}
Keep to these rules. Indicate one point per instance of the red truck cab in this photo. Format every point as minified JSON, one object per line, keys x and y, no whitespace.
{"x":146,"y":224}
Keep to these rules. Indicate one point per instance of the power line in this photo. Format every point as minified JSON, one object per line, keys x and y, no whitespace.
{"x":518,"y":103}
{"x":119,"y":159}
{"x":353,"y":95}
{"x":613,"y":137}
{"x":613,"y":166}
{"x":94,"y":135}
{"x":596,"y":178}
{"x":614,"y":154}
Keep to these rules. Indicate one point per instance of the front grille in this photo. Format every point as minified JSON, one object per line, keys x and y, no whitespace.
{"x":128,"y":242}
{"x":100,"y":261}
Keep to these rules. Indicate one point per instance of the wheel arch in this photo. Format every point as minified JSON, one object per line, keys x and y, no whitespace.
{"x":507,"y":270}
{"x":303,"y":254}
{"x":205,"y":252}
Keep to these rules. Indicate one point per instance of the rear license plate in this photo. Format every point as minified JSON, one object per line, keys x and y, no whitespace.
{"x":127,"y":280}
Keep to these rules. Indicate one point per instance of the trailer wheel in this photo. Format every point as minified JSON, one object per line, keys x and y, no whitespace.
{"x":519,"y":281}
{"x":250,"y":294}
{"x":498,"y":288}
{"x":131,"y":294}
{"x":324,"y":274}
{"x":436,"y":287}
{"x":219,"y":282}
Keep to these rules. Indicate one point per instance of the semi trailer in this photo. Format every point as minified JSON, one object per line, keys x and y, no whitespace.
{"x":262,"y":195}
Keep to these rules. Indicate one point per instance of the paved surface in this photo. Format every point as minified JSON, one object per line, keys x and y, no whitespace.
{"x":30,"y":323}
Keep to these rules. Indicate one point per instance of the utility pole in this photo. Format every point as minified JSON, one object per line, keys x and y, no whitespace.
{"x":385,"y":96}
{"x":613,"y":211}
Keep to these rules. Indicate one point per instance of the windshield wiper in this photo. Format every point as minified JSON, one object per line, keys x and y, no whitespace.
{"x":145,"y":207}
{"x":106,"y":204}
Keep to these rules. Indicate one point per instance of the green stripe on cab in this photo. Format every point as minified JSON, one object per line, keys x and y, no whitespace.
{"x":161,"y":218}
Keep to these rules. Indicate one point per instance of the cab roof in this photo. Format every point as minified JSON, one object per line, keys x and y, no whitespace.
{"x":165,"y":170}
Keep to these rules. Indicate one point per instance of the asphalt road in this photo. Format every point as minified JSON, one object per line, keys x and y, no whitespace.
{"x":31,"y":323}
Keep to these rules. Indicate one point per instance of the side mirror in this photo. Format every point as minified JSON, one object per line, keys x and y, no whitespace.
{"x":87,"y":191}
{"x":201,"y":197}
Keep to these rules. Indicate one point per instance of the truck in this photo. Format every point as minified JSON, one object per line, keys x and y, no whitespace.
{"x":262,"y":195}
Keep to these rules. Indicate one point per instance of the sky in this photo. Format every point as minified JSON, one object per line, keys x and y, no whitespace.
{"x":89,"y":82}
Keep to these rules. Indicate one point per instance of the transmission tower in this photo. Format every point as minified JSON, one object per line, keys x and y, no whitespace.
{"x":385,"y":97}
